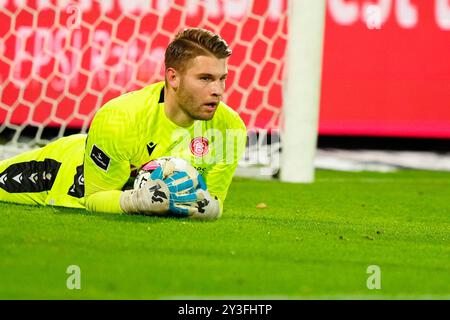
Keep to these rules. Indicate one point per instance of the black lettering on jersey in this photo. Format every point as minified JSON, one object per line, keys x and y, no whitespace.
{"x":150,"y":147}
{"x":100,"y":158}
{"x":30,"y":177}
{"x":77,"y":189}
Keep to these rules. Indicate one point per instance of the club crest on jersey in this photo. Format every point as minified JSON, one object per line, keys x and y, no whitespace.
{"x":199,"y":146}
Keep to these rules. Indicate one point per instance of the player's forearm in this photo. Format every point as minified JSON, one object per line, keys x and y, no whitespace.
{"x":104,"y":201}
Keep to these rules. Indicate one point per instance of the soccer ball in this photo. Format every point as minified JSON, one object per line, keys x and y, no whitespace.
{"x":175,"y":164}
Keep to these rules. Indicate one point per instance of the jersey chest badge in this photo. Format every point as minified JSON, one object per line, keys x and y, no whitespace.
{"x":199,"y":146}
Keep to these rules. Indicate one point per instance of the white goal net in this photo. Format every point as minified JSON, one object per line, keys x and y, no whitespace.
{"x":60,"y":61}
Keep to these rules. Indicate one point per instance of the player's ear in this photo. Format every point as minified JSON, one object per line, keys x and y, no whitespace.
{"x":173,"y":78}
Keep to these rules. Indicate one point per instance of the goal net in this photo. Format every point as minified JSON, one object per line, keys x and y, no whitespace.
{"x":61,"y":60}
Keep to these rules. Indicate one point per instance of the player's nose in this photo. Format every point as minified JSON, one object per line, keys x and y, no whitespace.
{"x":217,"y":89}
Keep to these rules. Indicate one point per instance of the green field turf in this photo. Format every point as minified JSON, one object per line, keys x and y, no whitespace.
{"x":312,"y":241}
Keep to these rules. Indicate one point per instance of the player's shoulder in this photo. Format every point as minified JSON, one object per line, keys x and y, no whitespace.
{"x":135,"y":101}
{"x":123,"y":115}
{"x":227,"y":117}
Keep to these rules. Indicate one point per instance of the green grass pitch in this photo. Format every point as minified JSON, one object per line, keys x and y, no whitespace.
{"x":312,"y":241}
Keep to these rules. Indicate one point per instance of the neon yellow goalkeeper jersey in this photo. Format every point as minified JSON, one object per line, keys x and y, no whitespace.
{"x":133,"y":129}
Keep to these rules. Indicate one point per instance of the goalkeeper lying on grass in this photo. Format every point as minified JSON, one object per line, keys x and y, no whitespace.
{"x":182,"y":117}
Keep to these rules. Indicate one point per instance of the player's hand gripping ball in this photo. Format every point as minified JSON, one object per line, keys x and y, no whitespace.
{"x":182,"y":180}
{"x":166,"y":167}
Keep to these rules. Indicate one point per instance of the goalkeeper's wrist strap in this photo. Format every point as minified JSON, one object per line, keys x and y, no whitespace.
{"x":127,"y":201}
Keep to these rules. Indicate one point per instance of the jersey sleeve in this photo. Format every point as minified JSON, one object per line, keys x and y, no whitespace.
{"x":107,"y":159}
{"x":219,"y":178}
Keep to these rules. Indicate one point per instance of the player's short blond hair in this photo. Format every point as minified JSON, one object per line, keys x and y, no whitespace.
{"x":191,"y":43}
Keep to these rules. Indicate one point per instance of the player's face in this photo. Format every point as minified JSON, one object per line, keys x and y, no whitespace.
{"x":202,"y":86}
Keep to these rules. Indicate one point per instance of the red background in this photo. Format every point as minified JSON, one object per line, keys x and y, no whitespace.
{"x":387,"y":82}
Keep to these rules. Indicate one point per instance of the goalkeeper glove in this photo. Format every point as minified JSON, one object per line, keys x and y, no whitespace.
{"x":208,"y":207}
{"x":152,"y":198}
{"x":160,"y":195}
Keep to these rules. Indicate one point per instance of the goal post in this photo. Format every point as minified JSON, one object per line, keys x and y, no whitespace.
{"x":302,"y":90}
{"x":60,"y":61}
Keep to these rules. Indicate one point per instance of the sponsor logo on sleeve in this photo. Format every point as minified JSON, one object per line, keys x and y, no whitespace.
{"x":100,"y":158}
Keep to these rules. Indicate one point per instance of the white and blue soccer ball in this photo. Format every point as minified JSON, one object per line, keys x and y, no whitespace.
{"x":173,"y":163}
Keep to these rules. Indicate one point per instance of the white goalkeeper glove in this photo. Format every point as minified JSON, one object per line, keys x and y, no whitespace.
{"x":152,"y":198}
{"x":161,"y":195}
{"x":168,"y":192}
{"x":207,"y":208}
